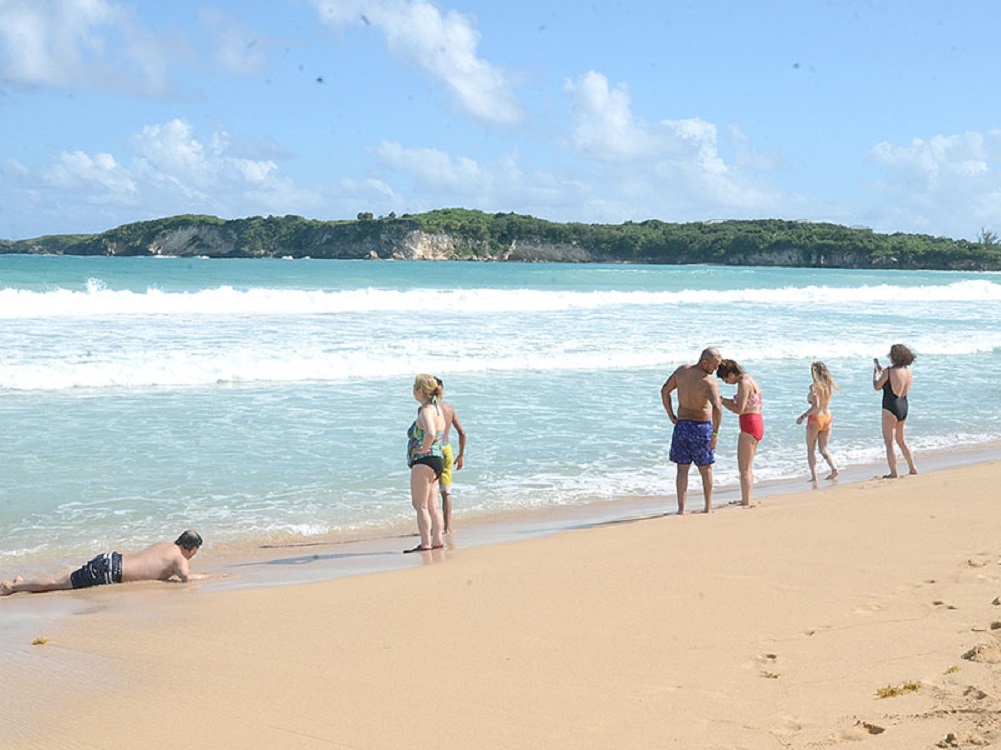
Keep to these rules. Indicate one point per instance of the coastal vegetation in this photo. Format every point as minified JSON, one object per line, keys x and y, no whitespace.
{"x":461,"y":234}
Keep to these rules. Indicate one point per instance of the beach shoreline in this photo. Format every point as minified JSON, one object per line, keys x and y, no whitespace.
{"x":742,"y":629}
{"x":313,"y":559}
{"x":309,"y":560}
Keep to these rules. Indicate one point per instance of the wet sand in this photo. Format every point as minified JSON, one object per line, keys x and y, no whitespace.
{"x":778,"y":626}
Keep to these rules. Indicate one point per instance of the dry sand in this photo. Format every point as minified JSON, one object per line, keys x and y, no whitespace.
{"x":774,"y":627}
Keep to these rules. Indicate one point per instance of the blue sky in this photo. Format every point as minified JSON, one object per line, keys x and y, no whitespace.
{"x":883,"y":114}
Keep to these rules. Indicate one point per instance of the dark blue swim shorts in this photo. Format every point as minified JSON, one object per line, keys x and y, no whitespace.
{"x":690,"y":443}
{"x":106,"y":568}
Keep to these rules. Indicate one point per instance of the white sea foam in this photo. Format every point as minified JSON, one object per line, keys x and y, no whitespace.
{"x":292,"y":359}
{"x":98,"y":300}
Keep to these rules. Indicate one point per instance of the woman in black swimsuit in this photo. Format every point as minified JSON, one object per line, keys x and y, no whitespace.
{"x":895,"y":382}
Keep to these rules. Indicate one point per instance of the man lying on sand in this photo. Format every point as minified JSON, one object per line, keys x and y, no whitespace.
{"x":162,"y":561}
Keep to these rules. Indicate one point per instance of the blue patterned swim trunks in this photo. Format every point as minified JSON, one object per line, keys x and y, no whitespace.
{"x":103,"y":569}
{"x":690,"y":443}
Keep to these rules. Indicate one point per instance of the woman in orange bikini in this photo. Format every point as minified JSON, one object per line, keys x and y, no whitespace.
{"x":747,"y":403}
{"x":819,"y":418}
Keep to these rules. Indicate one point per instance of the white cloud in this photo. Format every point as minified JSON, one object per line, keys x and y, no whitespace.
{"x":947,"y":183}
{"x":444,"y":45}
{"x":170,"y":170}
{"x":434,"y":169}
{"x":80,"y":170}
{"x":937,"y":161}
{"x":671,"y":169}
{"x":442,"y":179}
{"x":604,"y":128}
{"x":90,"y":44}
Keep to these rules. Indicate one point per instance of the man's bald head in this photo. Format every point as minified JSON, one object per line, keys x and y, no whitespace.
{"x":709,"y":359}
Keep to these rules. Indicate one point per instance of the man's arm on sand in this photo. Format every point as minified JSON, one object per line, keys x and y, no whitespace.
{"x":181,"y":570}
{"x":665,"y":395}
{"x":462,"y":439}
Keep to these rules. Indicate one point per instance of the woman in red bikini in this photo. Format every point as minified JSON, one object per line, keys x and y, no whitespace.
{"x":819,"y":419}
{"x":747,"y":403}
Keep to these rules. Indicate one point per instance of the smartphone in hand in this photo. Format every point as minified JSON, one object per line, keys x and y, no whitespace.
{"x":875,"y":362}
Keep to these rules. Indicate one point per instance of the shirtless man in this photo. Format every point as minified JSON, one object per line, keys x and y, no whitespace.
{"x":445,"y":482}
{"x":162,"y":561}
{"x":696,"y":425}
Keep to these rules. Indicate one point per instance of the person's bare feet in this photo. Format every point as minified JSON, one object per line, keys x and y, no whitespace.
{"x":889,"y":476}
{"x":833,"y":474}
{"x":5,"y":588}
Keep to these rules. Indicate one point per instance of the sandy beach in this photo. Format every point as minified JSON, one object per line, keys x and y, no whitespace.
{"x":866,"y":612}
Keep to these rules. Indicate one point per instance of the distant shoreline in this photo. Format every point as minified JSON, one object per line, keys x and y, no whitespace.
{"x":462,"y":234}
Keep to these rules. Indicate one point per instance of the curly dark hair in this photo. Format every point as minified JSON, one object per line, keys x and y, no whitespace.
{"x":901,"y":356}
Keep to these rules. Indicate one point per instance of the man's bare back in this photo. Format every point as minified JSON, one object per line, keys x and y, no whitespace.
{"x":695,"y":392}
{"x":158,"y":562}
{"x":698,"y":392}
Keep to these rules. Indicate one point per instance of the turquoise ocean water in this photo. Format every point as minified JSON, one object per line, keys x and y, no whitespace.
{"x":267,"y":400}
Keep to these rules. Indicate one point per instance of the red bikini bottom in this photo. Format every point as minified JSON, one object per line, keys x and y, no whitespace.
{"x":753,"y":425}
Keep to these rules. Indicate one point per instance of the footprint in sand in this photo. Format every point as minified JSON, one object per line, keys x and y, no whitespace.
{"x":787,"y":728}
{"x":869,"y":607}
{"x":871,"y":728}
{"x":860,"y":731}
{"x":762,"y":660}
